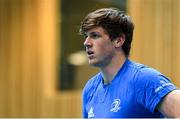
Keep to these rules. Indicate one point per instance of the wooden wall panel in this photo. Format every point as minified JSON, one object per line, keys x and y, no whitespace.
{"x":29,"y":61}
{"x":156,"y":38}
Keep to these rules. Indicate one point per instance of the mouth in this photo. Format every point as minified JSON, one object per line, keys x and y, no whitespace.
{"x":90,"y":53}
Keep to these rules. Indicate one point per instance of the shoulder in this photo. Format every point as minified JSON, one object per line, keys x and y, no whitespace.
{"x":150,"y":76}
{"x":134,"y":66}
{"x":91,"y":85}
{"x":144,"y":75}
{"x":138,"y":70}
{"x":148,"y":73}
{"x":143,"y":72}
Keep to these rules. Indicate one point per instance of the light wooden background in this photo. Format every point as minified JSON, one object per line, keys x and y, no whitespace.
{"x":157,"y":35}
{"x":29,"y":37}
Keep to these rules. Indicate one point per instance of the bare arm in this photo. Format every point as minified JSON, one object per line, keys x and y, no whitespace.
{"x":170,"y":105}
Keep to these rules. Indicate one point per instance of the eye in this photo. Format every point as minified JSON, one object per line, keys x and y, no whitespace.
{"x":94,"y":35}
{"x":85,"y":36}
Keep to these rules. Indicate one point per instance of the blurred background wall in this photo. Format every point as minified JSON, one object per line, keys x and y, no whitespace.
{"x":156,"y":37}
{"x":30,"y":36}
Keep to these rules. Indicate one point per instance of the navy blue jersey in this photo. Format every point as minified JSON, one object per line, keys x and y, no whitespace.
{"x":135,"y":91}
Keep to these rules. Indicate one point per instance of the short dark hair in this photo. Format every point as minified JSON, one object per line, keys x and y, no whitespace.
{"x":114,"y":21}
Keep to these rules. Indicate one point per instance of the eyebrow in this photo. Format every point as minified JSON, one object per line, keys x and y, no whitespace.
{"x":92,"y":32}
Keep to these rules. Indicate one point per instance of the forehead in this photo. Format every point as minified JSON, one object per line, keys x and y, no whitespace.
{"x":97,"y":29}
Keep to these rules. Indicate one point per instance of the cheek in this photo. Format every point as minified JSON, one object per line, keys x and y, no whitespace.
{"x":106,"y":48}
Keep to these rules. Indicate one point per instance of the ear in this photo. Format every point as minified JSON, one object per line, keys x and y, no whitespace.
{"x":119,"y":41}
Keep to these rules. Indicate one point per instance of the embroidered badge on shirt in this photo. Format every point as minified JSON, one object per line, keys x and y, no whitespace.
{"x":91,"y":113}
{"x":115,"y":106}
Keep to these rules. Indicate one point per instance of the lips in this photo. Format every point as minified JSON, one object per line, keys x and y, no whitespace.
{"x":90,"y":53}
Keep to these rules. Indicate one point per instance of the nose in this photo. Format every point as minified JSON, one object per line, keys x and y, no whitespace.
{"x":88,"y":42}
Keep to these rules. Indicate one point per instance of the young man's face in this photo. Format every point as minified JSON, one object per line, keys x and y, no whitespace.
{"x":99,"y":47}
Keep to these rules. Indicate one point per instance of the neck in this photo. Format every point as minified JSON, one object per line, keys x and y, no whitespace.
{"x":111,"y":69}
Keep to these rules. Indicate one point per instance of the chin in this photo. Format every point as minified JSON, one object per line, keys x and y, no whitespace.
{"x":93,"y":63}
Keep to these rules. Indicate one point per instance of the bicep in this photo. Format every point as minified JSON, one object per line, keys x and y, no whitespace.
{"x":170,"y":105}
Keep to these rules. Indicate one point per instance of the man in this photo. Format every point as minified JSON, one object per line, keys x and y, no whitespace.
{"x":122,"y":88}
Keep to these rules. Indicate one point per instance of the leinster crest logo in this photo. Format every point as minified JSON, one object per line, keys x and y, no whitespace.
{"x":115,"y":106}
